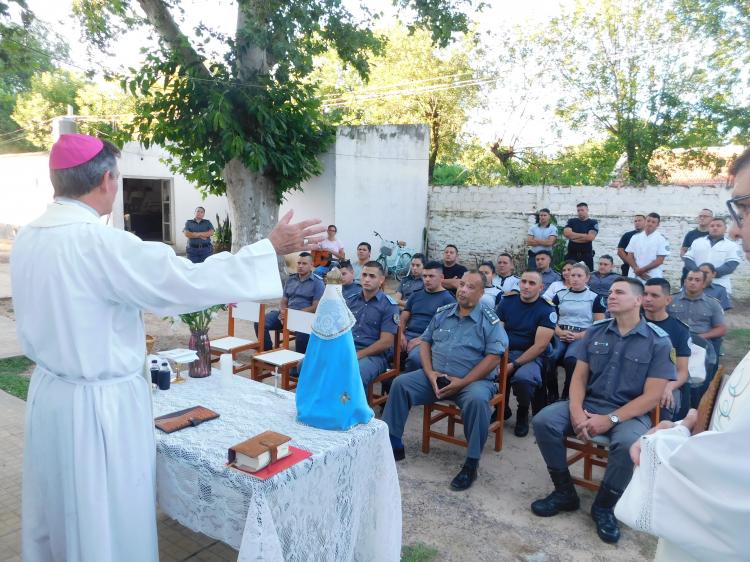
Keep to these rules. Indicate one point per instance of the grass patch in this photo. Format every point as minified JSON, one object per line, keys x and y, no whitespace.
{"x":735,"y":347}
{"x":12,"y":378}
{"x":418,"y":553}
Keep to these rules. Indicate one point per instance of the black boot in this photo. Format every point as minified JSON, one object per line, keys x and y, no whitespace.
{"x":564,"y":498}
{"x":523,"y":395}
{"x":603,"y":514}
{"x":465,"y":478}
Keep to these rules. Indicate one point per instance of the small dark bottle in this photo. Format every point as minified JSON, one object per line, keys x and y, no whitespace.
{"x":154,"y":371}
{"x":164,"y":376}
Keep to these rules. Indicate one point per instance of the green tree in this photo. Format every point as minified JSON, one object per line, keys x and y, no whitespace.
{"x":627,"y":69}
{"x":251,"y":124}
{"x":49,"y":96}
{"x":26,"y":49}
{"x":411,"y":82}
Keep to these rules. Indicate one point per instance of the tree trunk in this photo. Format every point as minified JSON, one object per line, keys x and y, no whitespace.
{"x":253,"y":210}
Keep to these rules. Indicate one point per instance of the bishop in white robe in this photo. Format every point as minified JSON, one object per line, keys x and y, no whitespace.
{"x":78,"y":291}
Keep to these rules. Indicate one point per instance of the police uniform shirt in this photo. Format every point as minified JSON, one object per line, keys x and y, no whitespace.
{"x":601,"y":284}
{"x":701,"y":314}
{"x":581,"y":227}
{"x":645,"y":249}
{"x":678,"y":332}
{"x":409,"y":285}
{"x":350,"y":289}
{"x":301,"y":293}
{"x":191,"y":225}
{"x":379,"y":314}
{"x":619,"y":365}
{"x":506,"y":284}
{"x":553,"y":289}
{"x":460,"y":343}
{"x":623,"y":243}
{"x":550,"y":276}
{"x":720,"y":294}
{"x":521,"y":320}
{"x":422,"y":307}
{"x":577,"y":308}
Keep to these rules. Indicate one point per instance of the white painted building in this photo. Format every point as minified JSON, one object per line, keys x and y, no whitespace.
{"x":374,"y":178}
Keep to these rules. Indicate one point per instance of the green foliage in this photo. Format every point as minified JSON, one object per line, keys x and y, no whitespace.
{"x":223,"y":233}
{"x":398,"y":89}
{"x":624,"y":68}
{"x":50,"y":94}
{"x":26,"y":49}
{"x":590,"y":163}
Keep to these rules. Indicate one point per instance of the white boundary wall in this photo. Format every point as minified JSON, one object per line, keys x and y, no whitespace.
{"x":483,"y":221}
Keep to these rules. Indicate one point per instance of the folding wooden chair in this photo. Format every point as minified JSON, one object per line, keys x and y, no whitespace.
{"x":593,"y":453}
{"x":374,"y":399}
{"x":282,"y":360}
{"x":433,"y":413}
{"x":251,"y":312}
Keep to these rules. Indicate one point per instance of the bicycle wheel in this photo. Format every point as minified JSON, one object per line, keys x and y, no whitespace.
{"x":402,"y":266}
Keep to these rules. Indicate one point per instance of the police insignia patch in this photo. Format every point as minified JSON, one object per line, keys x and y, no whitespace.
{"x":395,"y":318}
{"x":673,"y":355}
{"x":553,"y":317}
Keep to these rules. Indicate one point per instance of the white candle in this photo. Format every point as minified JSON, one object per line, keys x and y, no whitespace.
{"x":226,"y":365}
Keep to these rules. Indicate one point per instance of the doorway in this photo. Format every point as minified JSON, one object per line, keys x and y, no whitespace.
{"x":147,"y":208}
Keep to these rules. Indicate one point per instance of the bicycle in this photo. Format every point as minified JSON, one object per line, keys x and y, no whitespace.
{"x":397,"y":263}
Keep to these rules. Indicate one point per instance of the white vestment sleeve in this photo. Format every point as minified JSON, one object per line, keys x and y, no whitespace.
{"x":150,"y":276}
{"x":694,"y":491}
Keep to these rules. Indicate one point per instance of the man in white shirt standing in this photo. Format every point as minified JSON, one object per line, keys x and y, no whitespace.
{"x":715,"y":249}
{"x":647,"y":250}
{"x":79,"y":289}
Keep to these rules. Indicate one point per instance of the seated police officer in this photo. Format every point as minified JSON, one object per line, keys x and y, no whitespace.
{"x":377,"y":322}
{"x":412,"y":282}
{"x":623,"y":367}
{"x":419,"y":311}
{"x":349,"y":286}
{"x":530,"y":323}
{"x":198,"y":231}
{"x":301,"y":292}
{"x":656,"y":298}
{"x":460,"y":350}
{"x":543,"y":266}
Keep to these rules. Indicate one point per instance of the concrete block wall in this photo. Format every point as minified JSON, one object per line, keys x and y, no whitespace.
{"x":484,"y":221}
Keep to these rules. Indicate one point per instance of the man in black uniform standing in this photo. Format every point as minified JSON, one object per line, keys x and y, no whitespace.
{"x":581,"y":232}
{"x":639,"y":221}
{"x":198,"y":231}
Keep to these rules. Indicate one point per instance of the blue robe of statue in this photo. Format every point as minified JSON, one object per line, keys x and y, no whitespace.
{"x":330,"y":393}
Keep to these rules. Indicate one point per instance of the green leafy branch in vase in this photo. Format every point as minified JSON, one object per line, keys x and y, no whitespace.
{"x":198,"y":321}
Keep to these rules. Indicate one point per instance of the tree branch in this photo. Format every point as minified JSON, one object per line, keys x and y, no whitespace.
{"x":163,"y":23}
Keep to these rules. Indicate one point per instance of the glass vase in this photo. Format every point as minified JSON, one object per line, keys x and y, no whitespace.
{"x":200,"y":343}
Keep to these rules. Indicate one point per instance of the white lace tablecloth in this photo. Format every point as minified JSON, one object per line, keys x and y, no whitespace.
{"x":343,"y":503}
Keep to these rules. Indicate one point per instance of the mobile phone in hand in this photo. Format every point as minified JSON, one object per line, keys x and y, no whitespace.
{"x":442,"y":382}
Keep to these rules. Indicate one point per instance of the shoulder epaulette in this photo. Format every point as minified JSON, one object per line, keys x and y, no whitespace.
{"x":657,"y":330}
{"x":445,"y":307}
{"x":602,"y":321}
{"x":390,"y":299}
{"x":490,"y":315}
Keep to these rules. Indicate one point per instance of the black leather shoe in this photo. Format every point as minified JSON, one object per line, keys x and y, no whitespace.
{"x":564,"y":498}
{"x":606,"y":523}
{"x":464,"y":479}
{"x":399,"y":454}
{"x":508,"y":412}
{"x":522,"y":422}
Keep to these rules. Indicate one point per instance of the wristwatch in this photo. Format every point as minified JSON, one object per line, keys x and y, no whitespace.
{"x":614,"y":419}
